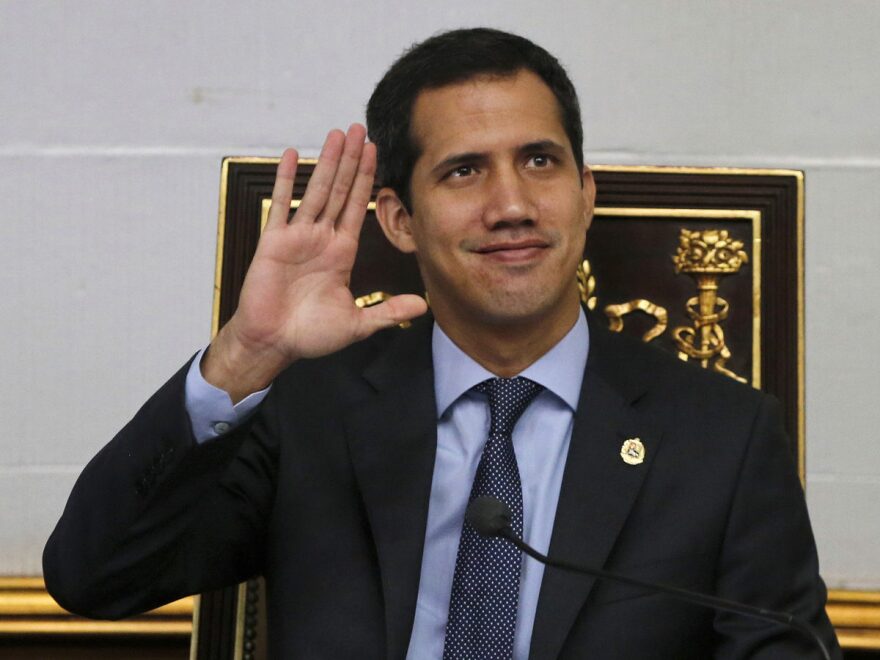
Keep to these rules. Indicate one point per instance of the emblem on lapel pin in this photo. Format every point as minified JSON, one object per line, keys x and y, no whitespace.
{"x":633,"y":451}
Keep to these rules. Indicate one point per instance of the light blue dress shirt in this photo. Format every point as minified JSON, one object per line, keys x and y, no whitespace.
{"x":210,"y":410}
{"x":540,"y":442}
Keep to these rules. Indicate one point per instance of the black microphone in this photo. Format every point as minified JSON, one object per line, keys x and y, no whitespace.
{"x":491,"y":517}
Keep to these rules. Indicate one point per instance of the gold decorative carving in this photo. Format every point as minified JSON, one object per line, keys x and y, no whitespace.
{"x":586,"y":284}
{"x":615,"y":314}
{"x":856,"y":617}
{"x":27,"y":609}
{"x":375,"y":298}
{"x":707,"y":255}
{"x":371,"y":299}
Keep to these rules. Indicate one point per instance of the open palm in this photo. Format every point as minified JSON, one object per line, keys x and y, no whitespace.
{"x":295,"y":301}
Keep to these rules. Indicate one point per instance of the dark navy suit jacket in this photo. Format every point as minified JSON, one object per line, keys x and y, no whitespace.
{"x":325,"y":491}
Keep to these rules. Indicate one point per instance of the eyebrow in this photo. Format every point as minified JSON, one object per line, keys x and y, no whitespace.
{"x":469,"y":157}
{"x":542,"y":145}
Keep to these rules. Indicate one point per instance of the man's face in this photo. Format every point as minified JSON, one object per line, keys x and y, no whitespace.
{"x":499,"y":212}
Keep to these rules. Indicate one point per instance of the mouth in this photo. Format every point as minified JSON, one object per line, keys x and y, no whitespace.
{"x":514,"y":250}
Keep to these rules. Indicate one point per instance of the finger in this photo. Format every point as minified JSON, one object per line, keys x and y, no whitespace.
{"x":391,"y":312}
{"x":352,"y":216}
{"x":321,"y":181}
{"x":279,"y":211}
{"x":345,"y":174}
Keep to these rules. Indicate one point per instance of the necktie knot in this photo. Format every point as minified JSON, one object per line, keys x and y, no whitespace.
{"x":508,"y":400}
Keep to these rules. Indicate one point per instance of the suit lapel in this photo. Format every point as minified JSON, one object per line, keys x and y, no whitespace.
{"x":393,"y":440}
{"x":598,"y":487}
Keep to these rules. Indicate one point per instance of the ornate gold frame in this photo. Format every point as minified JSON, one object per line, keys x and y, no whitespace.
{"x":26,"y":608}
{"x":855,"y":614}
{"x":856,"y":618}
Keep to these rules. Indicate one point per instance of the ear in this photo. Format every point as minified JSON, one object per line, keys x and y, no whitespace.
{"x":395,"y":220}
{"x":588,"y":190}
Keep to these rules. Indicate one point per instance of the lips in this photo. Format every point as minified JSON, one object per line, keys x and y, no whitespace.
{"x":511,"y":246}
{"x":514,"y":250}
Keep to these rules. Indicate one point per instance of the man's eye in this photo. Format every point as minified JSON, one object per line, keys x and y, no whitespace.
{"x":539,"y":161}
{"x":461,"y":171}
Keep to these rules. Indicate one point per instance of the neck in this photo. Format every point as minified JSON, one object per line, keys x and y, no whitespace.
{"x":507,"y":349}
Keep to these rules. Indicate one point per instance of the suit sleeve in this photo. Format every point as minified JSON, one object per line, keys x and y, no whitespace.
{"x":156,"y":516}
{"x":769,"y":553}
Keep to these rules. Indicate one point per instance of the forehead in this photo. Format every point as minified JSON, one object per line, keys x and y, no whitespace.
{"x":485,"y":113}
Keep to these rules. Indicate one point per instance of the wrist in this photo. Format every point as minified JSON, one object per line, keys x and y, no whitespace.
{"x":240,"y":368}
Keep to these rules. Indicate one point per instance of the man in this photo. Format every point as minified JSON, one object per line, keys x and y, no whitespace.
{"x":346,"y":484}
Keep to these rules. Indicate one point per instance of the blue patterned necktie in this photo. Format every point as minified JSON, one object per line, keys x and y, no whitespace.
{"x":485,"y":587}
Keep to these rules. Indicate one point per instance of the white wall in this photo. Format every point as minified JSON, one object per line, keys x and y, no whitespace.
{"x":114,"y":116}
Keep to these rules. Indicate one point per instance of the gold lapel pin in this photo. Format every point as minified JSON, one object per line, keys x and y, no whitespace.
{"x":633,"y":451}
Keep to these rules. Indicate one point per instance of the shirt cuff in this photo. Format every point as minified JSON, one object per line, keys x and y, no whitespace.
{"x":210,"y":409}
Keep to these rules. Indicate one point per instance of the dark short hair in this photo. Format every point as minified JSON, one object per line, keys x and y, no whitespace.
{"x":444,"y":59}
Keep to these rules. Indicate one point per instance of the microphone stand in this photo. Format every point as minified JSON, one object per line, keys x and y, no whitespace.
{"x":491,"y":517}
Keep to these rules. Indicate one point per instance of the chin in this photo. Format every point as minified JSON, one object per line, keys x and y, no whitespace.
{"x":515,"y":307}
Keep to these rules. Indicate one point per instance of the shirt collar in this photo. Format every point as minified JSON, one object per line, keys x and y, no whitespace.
{"x":560,"y":370}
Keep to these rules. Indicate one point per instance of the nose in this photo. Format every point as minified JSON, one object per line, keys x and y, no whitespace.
{"x":508,"y":200}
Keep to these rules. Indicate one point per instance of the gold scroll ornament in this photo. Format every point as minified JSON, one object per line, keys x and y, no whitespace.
{"x":615,"y":313}
{"x":707,"y":256}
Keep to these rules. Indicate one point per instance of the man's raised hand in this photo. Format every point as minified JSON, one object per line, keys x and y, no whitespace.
{"x":295,"y":301}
